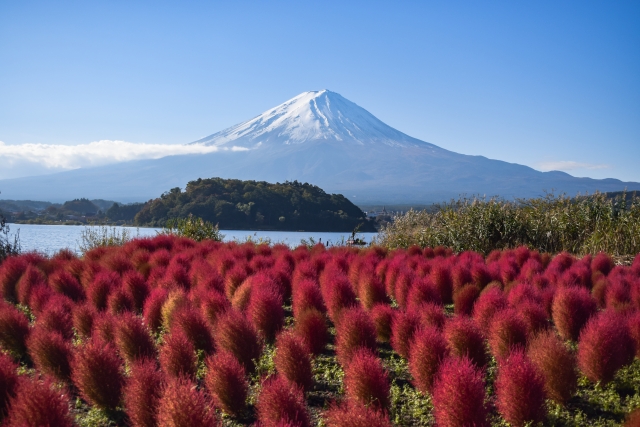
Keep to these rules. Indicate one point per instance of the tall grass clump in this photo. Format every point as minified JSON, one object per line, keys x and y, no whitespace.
{"x":280,"y":403}
{"x":553,"y":224}
{"x":97,"y":237}
{"x":458,"y":394}
{"x":519,"y":390}
{"x":226,"y":382}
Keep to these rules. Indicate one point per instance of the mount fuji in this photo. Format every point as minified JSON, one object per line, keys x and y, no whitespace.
{"x":324,"y":139}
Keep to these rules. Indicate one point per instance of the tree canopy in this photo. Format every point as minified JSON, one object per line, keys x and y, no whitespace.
{"x":237,"y":204}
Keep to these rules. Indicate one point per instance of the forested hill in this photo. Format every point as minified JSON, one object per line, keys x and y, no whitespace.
{"x":256,"y":205}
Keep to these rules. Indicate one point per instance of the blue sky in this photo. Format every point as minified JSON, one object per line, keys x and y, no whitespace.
{"x":546,"y":84}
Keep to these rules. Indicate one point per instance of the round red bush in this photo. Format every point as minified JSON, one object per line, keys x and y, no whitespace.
{"x":236,"y":335}
{"x":178,"y":355}
{"x":506,"y":333}
{"x":556,"y":364}
{"x":382,"y":316}
{"x":133,"y":338}
{"x":182,"y":405}
{"x":311,"y":326}
{"x":281,"y":404}
{"x":8,"y":382}
{"x":465,"y":339}
{"x":355,"y":415}
{"x":405,"y":324}
{"x":427,"y":351}
{"x":142,"y":393}
{"x":50,"y":353}
{"x":293,"y":361}
{"x":39,"y":403}
{"x":14,"y":330}
{"x":572,"y":308}
{"x":355,"y":330}
{"x":465,"y":298}
{"x":225,"y":380}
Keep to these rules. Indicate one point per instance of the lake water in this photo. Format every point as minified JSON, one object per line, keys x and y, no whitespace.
{"x":49,"y":239}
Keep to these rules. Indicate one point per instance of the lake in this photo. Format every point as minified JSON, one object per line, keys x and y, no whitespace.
{"x":49,"y":239}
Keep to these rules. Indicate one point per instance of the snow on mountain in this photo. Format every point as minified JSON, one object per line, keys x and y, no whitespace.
{"x":321,"y":138}
{"x":311,"y":117}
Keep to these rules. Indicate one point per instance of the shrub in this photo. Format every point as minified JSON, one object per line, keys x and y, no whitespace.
{"x":101,"y":287}
{"x":355,"y":330}
{"x":182,"y":405}
{"x":14,"y":330}
{"x":65,"y":284}
{"x":176,"y":300}
{"x":133,"y":339}
{"x":338,"y":295}
{"x":193,"y":228}
{"x":487,"y":305}
{"x":556,"y":364}
{"x":50,"y":353}
{"x":57,"y":317}
{"x":152,"y":312}
{"x":11,"y":270}
{"x":572,"y":307}
{"x":365,"y":380}
{"x":236,"y":335}
{"x":519,"y":390}
{"x":213,"y":304}
{"x":142,"y":393}
{"x":441,"y":278}
{"x":465,"y":339}
{"x":234,"y":279}
{"x":634,"y":330}
{"x":404,"y":326}
{"x":507,"y":332}
{"x":178,"y":355}
{"x":83,"y":318}
{"x":225,"y":380}
{"x":431,"y":315}
{"x":280,"y":403}
{"x":423,"y":291}
{"x":458,"y":394}
{"x":119,"y":302}
{"x":355,"y":415}
{"x":632,"y":419}
{"x":292,"y":360}
{"x":97,"y":372}
{"x":602,"y":263}
{"x":311,"y":326}
{"x":306,"y":295}
{"x":104,"y":327}
{"x":195,"y":328}
{"x":265,"y":312}
{"x":39,"y":403}
{"x":465,"y":298}
{"x":605,"y":346}
{"x":31,"y":279}
{"x":534,"y":316}
{"x":136,"y":288}
{"x":371,"y":290}
{"x":382,"y":316}
{"x":427,"y":351}
{"x":8,"y":383}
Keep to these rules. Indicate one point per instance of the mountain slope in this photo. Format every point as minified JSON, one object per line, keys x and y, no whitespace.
{"x":324,"y":139}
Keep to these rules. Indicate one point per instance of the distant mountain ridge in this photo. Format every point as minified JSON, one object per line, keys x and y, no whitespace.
{"x":324,"y":139}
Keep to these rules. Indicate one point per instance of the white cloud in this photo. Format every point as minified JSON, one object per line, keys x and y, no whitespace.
{"x":568,"y":165}
{"x":36,"y":159}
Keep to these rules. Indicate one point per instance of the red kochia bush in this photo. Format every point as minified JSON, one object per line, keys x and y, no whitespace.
{"x":507,"y":332}
{"x":605,"y":346}
{"x":97,"y":372}
{"x":292,"y":360}
{"x":404,"y":326}
{"x":464,"y":299}
{"x":32,"y":278}
{"x":152,"y":311}
{"x":572,"y":307}
{"x":458,"y":394}
{"x":355,"y":330}
{"x":142,"y":393}
{"x":634,"y":330}
{"x":519,"y":390}
{"x":11,"y":270}
{"x":83,"y":317}
{"x":487,"y":305}
{"x":281,"y":404}
{"x":101,"y":287}
{"x":195,"y":328}
{"x":178,"y":355}
{"x":306,"y":295}
{"x":50,"y":353}
{"x":182,"y":405}
{"x":337,"y":294}
{"x":632,"y":419}
{"x":423,"y":291}
{"x":429,"y":348}
{"x":382,"y":316}
{"x":365,"y":380}
{"x":39,"y":403}
{"x":8,"y":382}
{"x":14,"y":329}
{"x":136,"y":288}
{"x":265,"y":312}
{"x":465,"y":339}
{"x":133,"y":339}
{"x":355,"y":415}
{"x":236,"y":335}
{"x":212,"y":305}
{"x":225,"y":380}
{"x":311,"y":326}
{"x":441,"y":277}
{"x":64,"y":283}
{"x":556,"y":364}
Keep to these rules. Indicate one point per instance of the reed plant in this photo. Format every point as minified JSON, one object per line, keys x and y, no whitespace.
{"x":580,"y":225}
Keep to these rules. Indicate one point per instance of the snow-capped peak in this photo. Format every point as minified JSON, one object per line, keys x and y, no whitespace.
{"x":312,"y":116}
